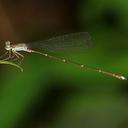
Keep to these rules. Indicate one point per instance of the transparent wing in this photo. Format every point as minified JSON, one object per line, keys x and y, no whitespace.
{"x":68,"y":41}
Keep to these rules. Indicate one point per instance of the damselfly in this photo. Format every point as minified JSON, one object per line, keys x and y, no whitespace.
{"x":77,"y":40}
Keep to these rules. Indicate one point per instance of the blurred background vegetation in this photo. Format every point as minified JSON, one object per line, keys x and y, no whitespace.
{"x":51,"y":94}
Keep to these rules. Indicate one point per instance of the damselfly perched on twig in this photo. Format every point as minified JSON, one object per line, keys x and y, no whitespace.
{"x":81,"y":40}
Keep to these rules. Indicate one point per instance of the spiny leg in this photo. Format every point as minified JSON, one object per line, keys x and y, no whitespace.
{"x":20,"y":56}
{"x":12,"y":56}
{"x":9,"y":56}
{"x":15,"y":57}
{"x":9,"y":52}
{"x":4,"y":55}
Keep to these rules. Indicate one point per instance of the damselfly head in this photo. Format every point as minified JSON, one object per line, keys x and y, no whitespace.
{"x":7,"y":45}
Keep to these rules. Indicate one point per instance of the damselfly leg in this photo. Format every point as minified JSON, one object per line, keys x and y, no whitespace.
{"x":6,"y":56}
{"x":18,"y":57}
{"x":12,"y":56}
{"x":3,"y":55}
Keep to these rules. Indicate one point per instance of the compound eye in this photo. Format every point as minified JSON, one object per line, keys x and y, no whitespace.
{"x":7,"y":43}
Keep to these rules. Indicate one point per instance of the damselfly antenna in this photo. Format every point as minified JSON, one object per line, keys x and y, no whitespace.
{"x":76,"y":40}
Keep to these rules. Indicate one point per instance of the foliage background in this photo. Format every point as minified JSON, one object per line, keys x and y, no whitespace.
{"x":50,"y":94}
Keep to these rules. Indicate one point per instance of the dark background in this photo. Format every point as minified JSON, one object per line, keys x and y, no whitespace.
{"x":53,"y":94}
